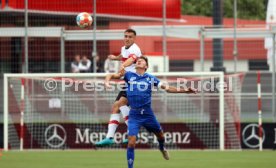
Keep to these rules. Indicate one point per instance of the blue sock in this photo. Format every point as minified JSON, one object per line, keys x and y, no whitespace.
{"x":161,"y":144}
{"x":130,"y":157}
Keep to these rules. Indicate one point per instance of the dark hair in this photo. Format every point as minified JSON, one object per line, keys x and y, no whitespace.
{"x":130,"y":31}
{"x":144,"y":58}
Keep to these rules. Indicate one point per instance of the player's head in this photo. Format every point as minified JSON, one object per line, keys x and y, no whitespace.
{"x":129,"y":37}
{"x":142,"y":63}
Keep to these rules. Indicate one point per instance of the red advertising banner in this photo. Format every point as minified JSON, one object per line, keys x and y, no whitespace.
{"x":149,"y":8}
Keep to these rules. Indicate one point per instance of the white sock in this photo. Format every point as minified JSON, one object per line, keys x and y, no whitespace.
{"x":125,"y":112}
{"x":112,"y":125}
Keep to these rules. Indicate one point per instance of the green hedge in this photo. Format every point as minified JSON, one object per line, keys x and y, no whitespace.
{"x":247,"y":9}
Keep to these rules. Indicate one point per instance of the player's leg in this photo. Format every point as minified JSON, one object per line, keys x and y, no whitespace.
{"x":124,"y":109}
{"x":130,"y":151}
{"x":161,"y":141}
{"x":114,"y":121}
{"x":115,"y":116}
{"x":133,"y":129}
{"x":152,"y":125}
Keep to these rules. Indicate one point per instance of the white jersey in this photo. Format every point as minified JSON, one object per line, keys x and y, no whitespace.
{"x":126,"y":53}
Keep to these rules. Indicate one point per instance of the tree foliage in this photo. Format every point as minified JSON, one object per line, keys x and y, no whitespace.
{"x":247,"y":9}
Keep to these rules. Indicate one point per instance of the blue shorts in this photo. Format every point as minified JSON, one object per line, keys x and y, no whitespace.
{"x":142,"y":117}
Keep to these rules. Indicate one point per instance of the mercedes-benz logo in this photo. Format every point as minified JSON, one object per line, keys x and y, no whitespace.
{"x":55,"y":135}
{"x":250,"y":135}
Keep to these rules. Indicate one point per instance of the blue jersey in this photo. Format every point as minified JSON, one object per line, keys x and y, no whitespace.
{"x":139,"y":89}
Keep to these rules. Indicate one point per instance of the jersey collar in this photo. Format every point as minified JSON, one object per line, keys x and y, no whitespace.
{"x":128,"y":47}
{"x":141,"y":75}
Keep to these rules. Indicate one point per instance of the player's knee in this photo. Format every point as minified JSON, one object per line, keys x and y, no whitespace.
{"x":131,"y":145}
{"x":122,"y":101}
{"x":115,"y":107}
{"x":116,"y":104}
{"x":131,"y":141}
{"x":160,"y":135}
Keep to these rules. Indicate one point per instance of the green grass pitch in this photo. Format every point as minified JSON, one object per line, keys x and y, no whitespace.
{"x":143,"y":159}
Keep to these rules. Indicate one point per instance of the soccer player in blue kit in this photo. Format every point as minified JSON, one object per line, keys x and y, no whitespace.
{"x":139,"y":89}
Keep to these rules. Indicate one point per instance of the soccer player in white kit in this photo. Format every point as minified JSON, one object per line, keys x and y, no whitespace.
{"x":129,"y":54}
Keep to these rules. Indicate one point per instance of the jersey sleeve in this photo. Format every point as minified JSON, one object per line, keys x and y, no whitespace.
{"x":135,"y":52}
{"x":156,"y":82}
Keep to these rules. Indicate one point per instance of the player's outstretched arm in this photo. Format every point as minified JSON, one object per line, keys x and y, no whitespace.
{"x":114,"y":57}
{"x":172,"y":89}
{"x":113,"y":76}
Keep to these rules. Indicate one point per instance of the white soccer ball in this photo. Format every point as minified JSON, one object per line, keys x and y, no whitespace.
{"x":84,"y":20}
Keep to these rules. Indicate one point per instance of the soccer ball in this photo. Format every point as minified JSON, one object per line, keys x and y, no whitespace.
{"x":84,"y":20}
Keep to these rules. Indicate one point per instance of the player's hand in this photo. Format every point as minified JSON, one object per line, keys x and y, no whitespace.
{"x":122,"y":72}
{"x":107,"y":85}
{"x":111,"y":57}
{"x":122,"y":68}
{"x":191,"y":90}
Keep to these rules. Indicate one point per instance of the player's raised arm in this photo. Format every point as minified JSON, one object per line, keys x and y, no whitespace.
{"x":132,"y":58}
{"x":172,"y":89}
